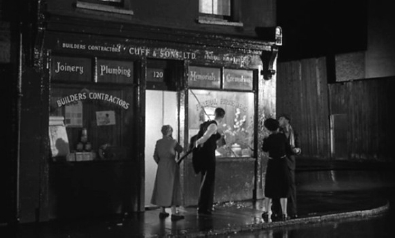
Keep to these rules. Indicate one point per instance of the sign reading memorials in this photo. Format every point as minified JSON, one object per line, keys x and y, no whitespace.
{"x":204,"y":77}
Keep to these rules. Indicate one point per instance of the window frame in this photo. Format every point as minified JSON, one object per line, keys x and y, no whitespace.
{"x":123,"y":7}
{"x":216,"y":19}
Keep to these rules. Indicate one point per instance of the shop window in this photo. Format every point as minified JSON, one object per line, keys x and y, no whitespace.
{"x":219,"y":12}
{"x":113,"y":6}
{"x":91,"y":107}
{"x":238,"y":124}
{"x":97,"y":120}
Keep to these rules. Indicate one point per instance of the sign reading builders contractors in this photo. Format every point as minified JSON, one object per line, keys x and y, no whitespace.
{"x":238,"y":79}
{"x":204,"y":77}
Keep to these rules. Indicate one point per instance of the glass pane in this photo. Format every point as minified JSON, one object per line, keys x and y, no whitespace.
{"x":216,"y":7}
{"x":206,"y":6}
{"x":103,"y":115}
{"x":238,"y":124}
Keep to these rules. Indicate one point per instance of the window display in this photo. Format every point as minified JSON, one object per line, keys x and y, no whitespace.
{"x":238,"y":124}
{"x":98,"y":120}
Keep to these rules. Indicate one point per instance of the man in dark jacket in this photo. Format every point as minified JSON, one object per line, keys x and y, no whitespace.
{"x":208,"y":145}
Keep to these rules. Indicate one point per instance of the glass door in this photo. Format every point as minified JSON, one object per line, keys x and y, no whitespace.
{"x":161,"y":109}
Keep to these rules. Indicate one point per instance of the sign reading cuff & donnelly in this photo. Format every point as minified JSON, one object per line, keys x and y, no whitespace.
{"x":238,"y":79}
{"x":204,"y":77}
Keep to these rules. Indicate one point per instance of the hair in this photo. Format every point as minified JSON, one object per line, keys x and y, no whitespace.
{"x":285,"y":116}
{"x":165,"y":129}
{"x":219,"y":112}
{"x":271,"y":124}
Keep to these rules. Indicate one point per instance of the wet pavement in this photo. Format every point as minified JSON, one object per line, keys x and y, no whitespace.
{"x":330,"y":201}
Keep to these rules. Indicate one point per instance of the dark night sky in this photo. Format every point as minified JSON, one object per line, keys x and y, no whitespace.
{"x":313,"y":28}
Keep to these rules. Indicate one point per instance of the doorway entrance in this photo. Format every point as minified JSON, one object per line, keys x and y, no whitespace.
{"x":161,"y":109}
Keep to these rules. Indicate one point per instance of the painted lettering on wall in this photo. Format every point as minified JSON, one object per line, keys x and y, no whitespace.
{"x":238,"y":78}
{"x":242,"y":59}
{"x":195,"y":76}
{"x":64,"y":67}
{"x":107,"y":70}
{"x":73,"y":98}
{"x":222,"y":102}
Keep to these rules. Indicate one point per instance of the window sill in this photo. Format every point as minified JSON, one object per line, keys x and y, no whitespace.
{"x":215,"y":21}
{"x":103,"y":8}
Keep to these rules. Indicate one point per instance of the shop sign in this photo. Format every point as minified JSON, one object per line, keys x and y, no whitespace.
{"x":114,"y":71}
{"x":204,"y":77}
{"x":71,"y":68}
{"x":86,"y":95}
{"x":238,"y":79}
{"x":155,"y":75}
{"x":242,"y":59}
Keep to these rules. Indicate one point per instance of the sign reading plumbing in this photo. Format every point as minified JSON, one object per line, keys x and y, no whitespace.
{"x":114,"y":71}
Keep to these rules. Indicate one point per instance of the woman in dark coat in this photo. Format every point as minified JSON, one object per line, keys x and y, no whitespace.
{"x":277,"y":173}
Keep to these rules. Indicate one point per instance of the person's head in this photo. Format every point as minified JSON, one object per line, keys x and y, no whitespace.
{"x":167,"y":130}
{"x":219,"y":113}
{"x":284,"y":120}
{"x":271,"y":124}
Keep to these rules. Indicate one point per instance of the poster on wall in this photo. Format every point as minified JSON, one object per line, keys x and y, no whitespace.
{"x":105,"y":118}
{"x":59,"y":141}
{"x":238,"y":124}
{"x":73,"y":114}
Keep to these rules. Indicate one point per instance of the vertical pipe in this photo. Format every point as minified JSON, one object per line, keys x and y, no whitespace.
{"x":18,"y":124}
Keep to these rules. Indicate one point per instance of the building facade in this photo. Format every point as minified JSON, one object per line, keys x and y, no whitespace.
{"x":98,"y":79}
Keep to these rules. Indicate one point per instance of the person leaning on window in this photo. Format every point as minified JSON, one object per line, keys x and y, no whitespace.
{"x":208,"y":144}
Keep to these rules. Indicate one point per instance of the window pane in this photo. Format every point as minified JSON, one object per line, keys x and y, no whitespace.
{"x":238,"y":124}
{"x":105,"y":113}
{"x":216,"y":7}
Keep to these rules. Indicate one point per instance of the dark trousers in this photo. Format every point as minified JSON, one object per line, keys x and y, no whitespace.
{"x":291,"y":207}
{"x":206,"y":192}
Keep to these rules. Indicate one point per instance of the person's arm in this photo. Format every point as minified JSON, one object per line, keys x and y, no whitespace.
{"x":178,"y":148}
{"x":156,"y":156}
{"x":212,"y":128}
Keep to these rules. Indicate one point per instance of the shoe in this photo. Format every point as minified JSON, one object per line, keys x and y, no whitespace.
{"x":163,"y":215}
{"x":284,"y":217}
{"x":176,"y":217}
{"x":295,"y":216}
{"x":275,"y":217}
{"x":265,"y":216}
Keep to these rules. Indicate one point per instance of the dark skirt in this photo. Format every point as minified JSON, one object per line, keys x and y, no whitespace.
{"x":277,"y":178}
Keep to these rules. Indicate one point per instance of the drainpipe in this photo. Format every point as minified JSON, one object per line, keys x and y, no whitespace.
{"x":18,"y":124}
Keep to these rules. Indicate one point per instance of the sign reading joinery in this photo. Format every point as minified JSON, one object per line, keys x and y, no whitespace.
{"x":204,"y":77}
{"x":71,"y":69}
{"x":114,"y":71}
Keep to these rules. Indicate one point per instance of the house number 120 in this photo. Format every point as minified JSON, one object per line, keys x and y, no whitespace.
{"x":158,"y":74}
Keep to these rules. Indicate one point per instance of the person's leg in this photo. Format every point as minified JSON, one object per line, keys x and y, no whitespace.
{"x":267,"y":204}
{"x":283,"y":202}
{"x":163,"y":213}
{"x":292,"y":208}
{"x":206,"y":194}
{"x":276,"y":209}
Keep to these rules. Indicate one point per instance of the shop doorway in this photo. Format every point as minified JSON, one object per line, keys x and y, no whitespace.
{"x":161,"y":109}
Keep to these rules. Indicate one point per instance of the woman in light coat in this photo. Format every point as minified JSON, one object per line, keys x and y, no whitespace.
{"x":166,"y":191}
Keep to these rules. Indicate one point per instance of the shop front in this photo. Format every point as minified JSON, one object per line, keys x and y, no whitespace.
{"x":109,"y":98}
